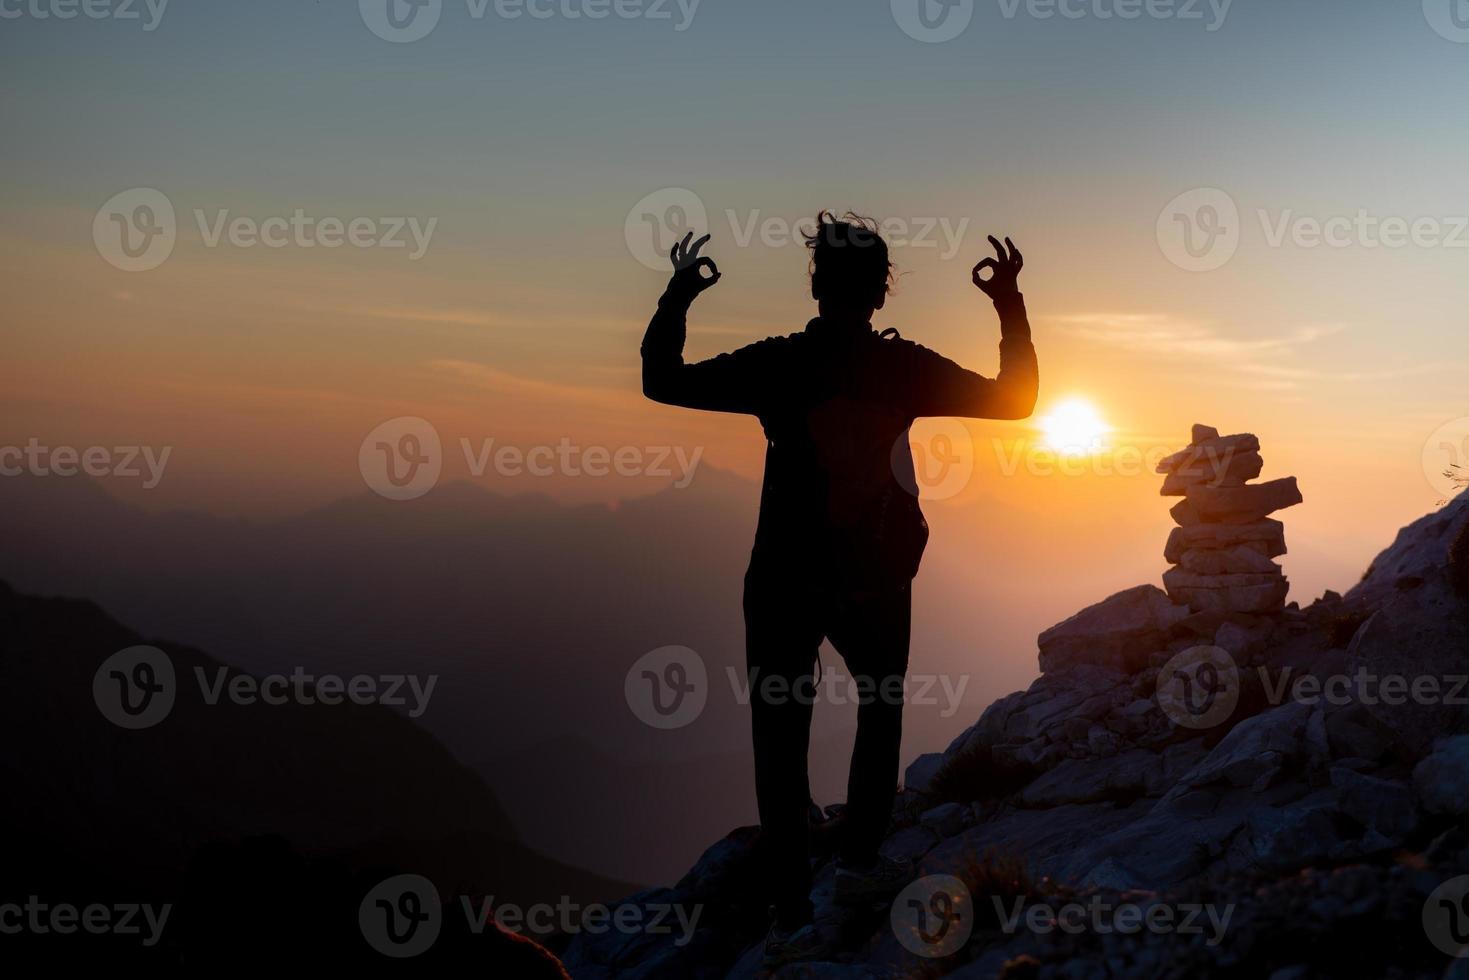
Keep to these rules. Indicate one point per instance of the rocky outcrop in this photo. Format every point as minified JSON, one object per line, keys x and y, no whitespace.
{"x":1414,"y":653}
{"x":1113,"y":632}
{"x":1313,"y":828}
{"x":1442,"y":779}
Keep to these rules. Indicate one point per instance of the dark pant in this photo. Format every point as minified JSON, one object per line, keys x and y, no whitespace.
{"x":784,"y":627}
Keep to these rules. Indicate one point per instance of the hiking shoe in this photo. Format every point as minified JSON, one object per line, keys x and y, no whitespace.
{"x":879,"y":883}
{"x":794,"y":946}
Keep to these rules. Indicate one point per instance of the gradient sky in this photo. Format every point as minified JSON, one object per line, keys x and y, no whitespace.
{"x":530,"y":140}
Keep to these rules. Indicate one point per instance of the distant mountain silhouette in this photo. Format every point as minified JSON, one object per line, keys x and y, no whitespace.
{"x":531,"y":612}
{"x":264,"y":825}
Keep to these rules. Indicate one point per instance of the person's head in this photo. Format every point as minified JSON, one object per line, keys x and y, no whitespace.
{"x":850,"y":270}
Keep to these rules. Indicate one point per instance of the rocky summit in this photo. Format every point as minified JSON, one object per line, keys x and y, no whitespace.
{"x":1200,"y":783}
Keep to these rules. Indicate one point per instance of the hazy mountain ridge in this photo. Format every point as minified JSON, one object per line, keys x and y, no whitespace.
{"x":529,"y":611}
{"x":258,"y":806}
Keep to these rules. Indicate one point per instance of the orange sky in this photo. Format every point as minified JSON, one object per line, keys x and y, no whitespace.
{"x":531,"y":146}
{"x":264,"y":373}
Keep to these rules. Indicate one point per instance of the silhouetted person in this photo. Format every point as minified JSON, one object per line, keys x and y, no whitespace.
{"x":840,"y":532}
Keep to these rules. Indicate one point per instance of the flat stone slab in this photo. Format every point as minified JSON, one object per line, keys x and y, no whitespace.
{"x":1267,"y":537}
{"x":1211,"y":454}
{"x":1184,"y":515}
{"x":1235,"y":599}
{"x":1230,"y":470}
{"x":1239,"y":560}
{"x":1180,"y":578}
{"x":1244,"y":505}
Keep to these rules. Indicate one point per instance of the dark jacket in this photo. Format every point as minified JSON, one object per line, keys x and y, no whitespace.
{"x":839,"y":507}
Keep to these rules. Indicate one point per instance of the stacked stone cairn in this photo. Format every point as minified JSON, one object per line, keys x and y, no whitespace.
{"x":1222,"y":548}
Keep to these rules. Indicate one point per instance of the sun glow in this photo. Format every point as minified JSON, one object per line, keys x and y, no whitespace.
{"x":1074,"y":428}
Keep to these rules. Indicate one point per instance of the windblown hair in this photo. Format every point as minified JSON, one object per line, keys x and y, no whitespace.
{"x":849,"y":257}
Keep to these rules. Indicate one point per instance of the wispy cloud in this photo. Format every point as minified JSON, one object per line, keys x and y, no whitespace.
{"x":1157,"y":334}
{"x":1275,"y":363}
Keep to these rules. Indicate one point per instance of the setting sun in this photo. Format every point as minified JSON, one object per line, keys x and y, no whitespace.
{"x":1074,"y":427}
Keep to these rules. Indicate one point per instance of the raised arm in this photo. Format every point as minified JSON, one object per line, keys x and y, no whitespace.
{"x":942,"y":388}
{"x":727,"y":383}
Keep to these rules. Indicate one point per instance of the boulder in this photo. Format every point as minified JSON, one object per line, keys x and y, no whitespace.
{"x":613,"y":953}
{"x":1352,"y":732}
{"x":946,"y":820}
{"x":1253,"y":748}
{"x":726,"y":866}
{"x":1178,"y":760}
{"x":1080,"y":692}
{"x":1167,"y":844}
{"x":993,"y":719}
{"x":1420,"y":550}
{"x":1442,"y":779}
{"x":920,"y":772}
{"x":1379,"y":805}
{"x":1243,"y":504}
{"x":1119,"y":632}
{"x":1038,"y":754}
{"x":1276,"y":839}
{"x":1418,"y":639}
